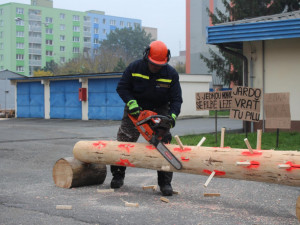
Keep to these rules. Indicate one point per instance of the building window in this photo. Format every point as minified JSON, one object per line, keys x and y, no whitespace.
{"x":1,"y":23}
{"x":20,"y":68}
{"x":86,"y":29}
{"x":87,"y":18}
{"x":62,"y":27}
{"x":76,"y":28}
{"x":49,"y":31}
{"x":96,"y":30}
{"x":128,"y":24}
{"x":1,"y":11}
{"x":20,"y":10}
{"x":62,"y":37}
{"x":62,"y":16}
{"x":75,"y":39}
{"x":62,"y":60}
{"x":49,"y":53}
{"x":20,"y":45}
{"x":104,"y":31}
{"x":20,"y":22}
{"x":122,"y":23}
{"x":136,"y":25}
{"x":49,"y":42}
{"x":48,"y":20}
{"x":96,"y":41}
{"x":62,"y":48}
{"x":20,"y":57}
{"x":1,"y":46}
{"x":104,"y":21}
{"x":1,"y":34}
{"x":75,"y":50}
{"x":34,"y":12}
{"x":1,"y":57}
{"x":20,"y":33}
{"x":96,"y":20}
{"x":76,"y":18}
{"x":112,"y":22}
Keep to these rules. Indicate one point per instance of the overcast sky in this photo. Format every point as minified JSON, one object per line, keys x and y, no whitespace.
{"x":167,"y":16}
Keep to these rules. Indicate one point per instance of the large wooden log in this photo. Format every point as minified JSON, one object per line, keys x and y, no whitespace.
{"x":280,"y":167}
{"x":69,"y":172}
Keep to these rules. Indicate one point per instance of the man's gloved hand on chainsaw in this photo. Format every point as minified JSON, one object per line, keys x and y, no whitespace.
{"x":172,"y":118}
{"x":133,"y":108}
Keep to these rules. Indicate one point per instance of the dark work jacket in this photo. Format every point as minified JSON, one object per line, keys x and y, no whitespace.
{"x":151,"y":90}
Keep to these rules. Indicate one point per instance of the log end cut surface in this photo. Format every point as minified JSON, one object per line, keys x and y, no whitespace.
{"x":62,"y":174}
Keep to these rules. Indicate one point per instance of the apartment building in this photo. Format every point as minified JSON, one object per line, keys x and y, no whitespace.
{"x":32,"y":35}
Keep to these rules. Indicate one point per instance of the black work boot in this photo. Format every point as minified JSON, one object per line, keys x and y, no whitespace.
{"x":118,"y":173}
{"x":164,"y":182}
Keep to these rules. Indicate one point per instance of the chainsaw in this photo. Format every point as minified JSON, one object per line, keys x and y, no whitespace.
{"x":152,"y":127}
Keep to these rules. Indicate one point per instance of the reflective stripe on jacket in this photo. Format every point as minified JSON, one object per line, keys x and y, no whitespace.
{"x":151,"y":90}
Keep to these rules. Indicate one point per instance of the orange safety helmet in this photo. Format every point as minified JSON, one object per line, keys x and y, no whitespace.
{"x":157,"y":53}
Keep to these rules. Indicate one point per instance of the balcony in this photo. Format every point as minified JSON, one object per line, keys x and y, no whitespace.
{"x":33,"y":62}
{"x":87,"y":34}
{"x":35,"y":28}
{"x":35,"y":17}
{"x":35,"y":40}
{"x":35,"y":51}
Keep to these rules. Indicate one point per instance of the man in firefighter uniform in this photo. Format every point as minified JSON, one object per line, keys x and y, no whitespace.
{"x":148,"y":84}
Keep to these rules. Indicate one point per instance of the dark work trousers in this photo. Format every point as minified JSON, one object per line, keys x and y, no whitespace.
{"x":128,"y":133}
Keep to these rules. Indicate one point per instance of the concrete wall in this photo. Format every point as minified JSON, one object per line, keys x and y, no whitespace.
{"x":190,"y":84}
{"x":281,"y":63}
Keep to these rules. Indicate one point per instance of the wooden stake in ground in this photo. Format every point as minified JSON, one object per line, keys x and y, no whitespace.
{"x":258,"y":142}
{"x":262,"y":166}
{"x":63,"y":207}
{"x":248,"y":145}
{"x":222,"y":137}
{"x":179,"y":141}
{"x":69,"y":172}
{"x":209,"y":179}
{"x":201,"y":142}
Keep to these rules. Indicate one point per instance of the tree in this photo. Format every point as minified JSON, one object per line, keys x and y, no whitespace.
{"x":120,"y":66}
{"x":229,"y":67}
{"x":180,"y":67}
{"x":131,"y":42}
{"x":51,"y":67}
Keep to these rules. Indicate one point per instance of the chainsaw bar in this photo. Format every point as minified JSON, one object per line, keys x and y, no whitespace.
{"x":167,"y":154}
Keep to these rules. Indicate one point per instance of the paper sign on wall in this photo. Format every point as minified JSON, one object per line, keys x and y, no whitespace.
{"x":245,"y":103}
{"x":218,"y":100}
{"x":277,"y":110}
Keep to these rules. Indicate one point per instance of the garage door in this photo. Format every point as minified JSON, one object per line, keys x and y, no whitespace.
{"x":64,"y":103}
{"x":30,"y":100}
{"x":104,"y":101}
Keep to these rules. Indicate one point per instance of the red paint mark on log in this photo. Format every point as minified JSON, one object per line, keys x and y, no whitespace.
{"x":217,"y":172}
{"x":293,"y":166}
{"x":126,"y":147}
{"x":99,"y":144}
{"x":253,"y":165}
{"x":125,"y":162}
{"x":151,"y":147}
{"x":255,"y":153}
{"x":182,"y":150}
{"x":185,"y":159}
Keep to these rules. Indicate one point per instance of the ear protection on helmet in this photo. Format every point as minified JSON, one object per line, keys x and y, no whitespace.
{"x":146,"y":53}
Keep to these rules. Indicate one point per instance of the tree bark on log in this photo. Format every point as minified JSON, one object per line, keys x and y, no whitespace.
{"x":69,"y":172}
{"x":280,"y":167}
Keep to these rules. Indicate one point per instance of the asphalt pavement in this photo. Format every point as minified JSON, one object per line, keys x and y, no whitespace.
{"x":30,"y":147}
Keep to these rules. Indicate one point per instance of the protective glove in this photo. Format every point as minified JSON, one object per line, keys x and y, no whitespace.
{"x":172,"y":118}
{"x":134,"y":108}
